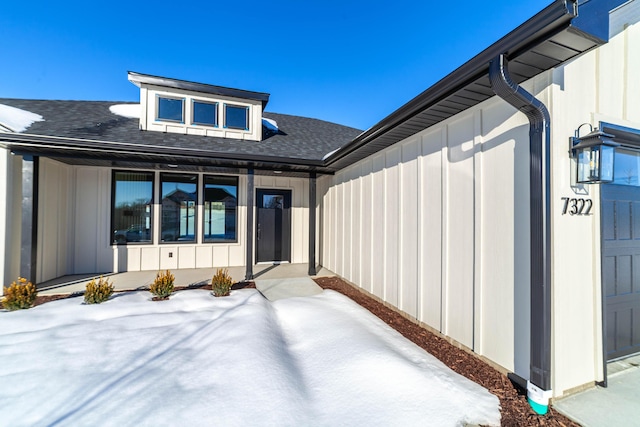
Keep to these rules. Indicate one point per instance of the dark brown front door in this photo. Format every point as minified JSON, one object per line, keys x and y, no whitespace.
{"x":621,"y":268}
{"x":273,"y":225}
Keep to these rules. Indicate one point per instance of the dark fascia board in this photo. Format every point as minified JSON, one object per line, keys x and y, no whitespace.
{"x":548,"y":22}
{"x":139,"y":79}
{"x":77,"y":148}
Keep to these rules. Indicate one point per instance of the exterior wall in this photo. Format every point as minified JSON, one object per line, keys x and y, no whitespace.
{"x":55,"y":220}
{"x":11,"y":193}
{"x":74,"y":216}
{"x":437,"y":225}
{"x":599,"y":86}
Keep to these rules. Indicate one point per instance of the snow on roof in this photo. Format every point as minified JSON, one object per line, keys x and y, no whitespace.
{"x":130,"y":111}
{"x":326,"y":156}
{"x":270,"y":124}
{"x":17,"y":120}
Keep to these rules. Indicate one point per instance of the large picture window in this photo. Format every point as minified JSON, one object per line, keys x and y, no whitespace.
{"x":132,"y":198}
{"x":220,"y":208}
{"x":179,"y":196}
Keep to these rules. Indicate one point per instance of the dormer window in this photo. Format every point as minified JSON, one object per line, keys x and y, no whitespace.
{"x":236,"y":117}
{"x":170,"y":109}
{"x":205,"y":113}
{"x":190,"y":108}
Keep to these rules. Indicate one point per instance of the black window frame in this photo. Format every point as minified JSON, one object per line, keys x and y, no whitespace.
{"x":236,"y":183}
{"x":113,"y":240}
{"x":177,"y":240}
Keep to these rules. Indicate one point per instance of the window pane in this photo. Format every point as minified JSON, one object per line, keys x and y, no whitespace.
{"x":178,"y":207}
{"x":170,"y":109}
{"x":236,"y":117}
{"x":131,"y":207}
{"x":205,"y":113}
{"x":626,"y":167}
{"x":220,"y":203}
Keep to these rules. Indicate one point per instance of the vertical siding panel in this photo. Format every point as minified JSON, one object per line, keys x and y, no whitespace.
{"x":85,"y":243}
{"x":339,"y":209}
{"x":409,"y":228}
{"x":356,"y":243}
{"x":460,"y":231}
{"x":391,"y":245}
{"x":348,"y":230}
{"x":632,"y":112}
{"x":365,"y":226}
{"x":378,"y":226}
{"x":431,"y":230}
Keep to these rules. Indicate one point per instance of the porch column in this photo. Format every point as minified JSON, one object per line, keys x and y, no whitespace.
{"x":312,"y":224}
{"x":29,"y":222}
{"x":250,"y":203}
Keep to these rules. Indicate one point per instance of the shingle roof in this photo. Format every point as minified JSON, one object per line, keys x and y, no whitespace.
{"x":298,"y":139}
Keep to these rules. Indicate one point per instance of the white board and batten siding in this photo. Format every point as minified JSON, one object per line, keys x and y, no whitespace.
{"x":408,"y":225}
{"x":600,"y":86}
{"x":74,"y":223}
{"x":444,"y":217}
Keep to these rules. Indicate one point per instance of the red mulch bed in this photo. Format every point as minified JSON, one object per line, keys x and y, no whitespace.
{"x":514,"y":407}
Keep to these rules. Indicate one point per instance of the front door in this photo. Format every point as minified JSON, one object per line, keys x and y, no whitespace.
{"x":273,"y":225}
{"x":621,"y":267}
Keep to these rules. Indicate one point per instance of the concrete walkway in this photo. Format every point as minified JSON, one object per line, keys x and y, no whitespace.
{"x":616,"y":405}
{"x":133,"y":280}
{"x":275,"y":289}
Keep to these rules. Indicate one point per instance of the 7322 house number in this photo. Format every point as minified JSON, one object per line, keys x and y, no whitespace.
{"x":576,"y":206}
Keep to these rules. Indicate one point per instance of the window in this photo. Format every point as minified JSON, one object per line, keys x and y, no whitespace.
{"x":627,"y":167}
{"x":178,"y":207}
{"x":205,"y":113}
{"x":131,"y":201}
{"x":171,"y":109}
{"x":220,"y":208}
{"x":236,"y":117}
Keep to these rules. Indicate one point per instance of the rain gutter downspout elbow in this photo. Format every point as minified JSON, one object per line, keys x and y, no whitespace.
{"x":539,"y":384}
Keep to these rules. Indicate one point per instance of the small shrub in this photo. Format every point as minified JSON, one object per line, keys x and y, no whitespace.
{"x":221,"y":283}
{"x":163,"y":285}
{"x":97,"y":292}
{"x":19,"y":295}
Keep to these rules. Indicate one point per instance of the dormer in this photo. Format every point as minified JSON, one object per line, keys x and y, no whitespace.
{"x":179,"y":106}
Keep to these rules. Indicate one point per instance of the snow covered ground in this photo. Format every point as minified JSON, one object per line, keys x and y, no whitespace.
{"x":234,"y":361}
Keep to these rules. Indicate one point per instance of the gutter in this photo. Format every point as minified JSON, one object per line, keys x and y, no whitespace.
{"x":551,"y":20}
{"x":539,"y":385}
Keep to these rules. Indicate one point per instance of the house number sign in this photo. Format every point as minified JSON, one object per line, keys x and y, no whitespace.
{"x":573,"y":206}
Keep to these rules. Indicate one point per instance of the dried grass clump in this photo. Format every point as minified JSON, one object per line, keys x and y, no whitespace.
{"x":19,"y":295}
{"x":162,"y":286}
{"x":221,"y":283}
{"x":97,"y":292}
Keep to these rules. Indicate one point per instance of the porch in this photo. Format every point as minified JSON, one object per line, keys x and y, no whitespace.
{"x":132,"y":280}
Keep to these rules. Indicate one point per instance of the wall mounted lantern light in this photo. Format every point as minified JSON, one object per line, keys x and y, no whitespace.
{"x":594,"y":153}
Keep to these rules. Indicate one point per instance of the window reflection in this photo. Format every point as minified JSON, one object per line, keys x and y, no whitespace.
{"x":626,"y":167}
{"x":178,"y":207}
{"x":131,"y":207}
{"x":220,"y":206}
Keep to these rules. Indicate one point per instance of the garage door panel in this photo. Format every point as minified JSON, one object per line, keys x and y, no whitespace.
{"x":621,"y":268}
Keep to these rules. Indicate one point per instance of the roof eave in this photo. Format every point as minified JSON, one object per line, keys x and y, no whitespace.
{"x":553,"y":21}
{"x":140,"y":79}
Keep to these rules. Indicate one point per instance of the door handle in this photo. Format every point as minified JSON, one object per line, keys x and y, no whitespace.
{"x":258,"y":234}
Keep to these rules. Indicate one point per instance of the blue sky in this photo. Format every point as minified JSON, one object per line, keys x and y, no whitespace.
{"x":347,"y":62}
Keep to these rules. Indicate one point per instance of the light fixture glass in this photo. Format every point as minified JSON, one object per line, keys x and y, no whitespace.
{"x":595,"y":154}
